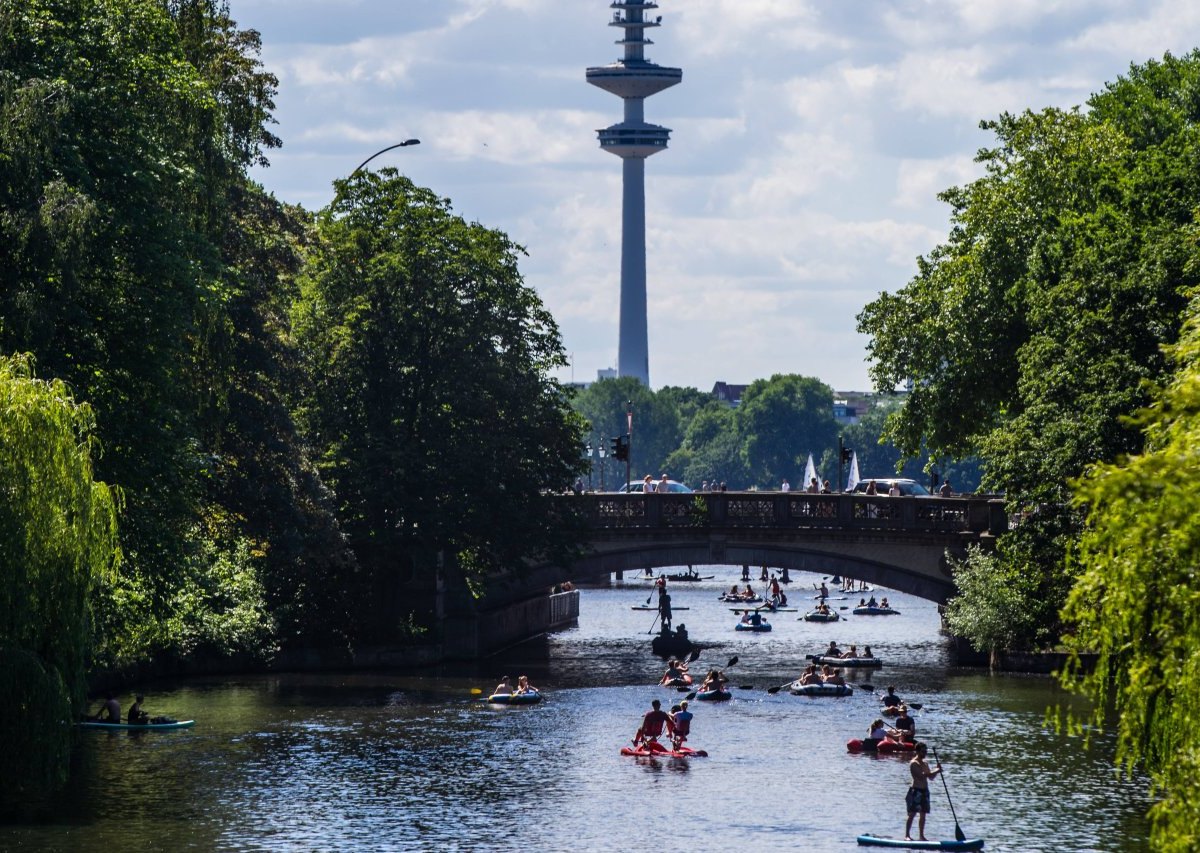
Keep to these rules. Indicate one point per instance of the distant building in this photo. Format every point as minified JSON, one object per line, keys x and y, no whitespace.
{"x":606,"y":373}
{"x":730,"y":395}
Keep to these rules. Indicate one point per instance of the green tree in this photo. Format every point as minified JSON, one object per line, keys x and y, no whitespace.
{"x":58,"y":538}
{"x":712,"y":450}
{"x":431,"y":404}
{"x":656,"y":423}
{"x":1134,"y":603}
{"x":1029,"y":335}
{"x":782,"y":420}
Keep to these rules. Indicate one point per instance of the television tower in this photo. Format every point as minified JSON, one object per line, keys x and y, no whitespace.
{"x":633,"y":79}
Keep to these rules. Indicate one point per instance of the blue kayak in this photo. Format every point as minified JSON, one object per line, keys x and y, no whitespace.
{"x":137,"y":727}
{"x":900,"y":844}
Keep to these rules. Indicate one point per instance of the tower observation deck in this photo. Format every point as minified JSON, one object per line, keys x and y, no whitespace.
{"x":633,"y":79}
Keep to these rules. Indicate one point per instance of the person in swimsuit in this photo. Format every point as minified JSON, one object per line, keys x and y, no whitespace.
{"x":713,"y":682}
{"x":810,"y":675}
{"x":675,"y":670}
{"x":917,"y":798}
{"x":877,"y":732}
{"x":504,"y":688}
{"x":110,"y":711}
{"x":853,"y":653}
{"x":523,"y":685}
{"x":682,"y":723}
{"x":890,"y":699}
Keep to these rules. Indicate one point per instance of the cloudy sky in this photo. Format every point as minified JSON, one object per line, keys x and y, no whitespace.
{"x":810,"y":140}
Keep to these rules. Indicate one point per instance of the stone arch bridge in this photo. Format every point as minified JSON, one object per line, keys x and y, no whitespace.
{"x":902,"y":543}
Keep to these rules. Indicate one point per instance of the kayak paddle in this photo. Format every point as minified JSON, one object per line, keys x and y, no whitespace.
{"x":958,"y":833}
{"x":695,"y":654}
{"x":774,"y":690}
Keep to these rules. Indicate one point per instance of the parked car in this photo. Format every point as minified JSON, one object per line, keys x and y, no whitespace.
{"x":673,"y":487}
{"x":884,"y":484}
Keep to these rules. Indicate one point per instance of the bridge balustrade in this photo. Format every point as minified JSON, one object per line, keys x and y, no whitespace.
{"x":791,"y":510}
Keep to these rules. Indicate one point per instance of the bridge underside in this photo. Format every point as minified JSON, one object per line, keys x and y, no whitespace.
{"x":916,"y":569}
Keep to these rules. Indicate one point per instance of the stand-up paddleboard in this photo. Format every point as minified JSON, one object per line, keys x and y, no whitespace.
{"x":655,"y":607}
{"x":653,"y":749}
{"x":900,"y":844}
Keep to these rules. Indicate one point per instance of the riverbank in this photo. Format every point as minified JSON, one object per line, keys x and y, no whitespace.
{"x":1040,"y":663}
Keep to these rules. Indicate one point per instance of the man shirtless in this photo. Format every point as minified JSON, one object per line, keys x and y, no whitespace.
{"x":652,"y":724}
{"x":917,"y":798}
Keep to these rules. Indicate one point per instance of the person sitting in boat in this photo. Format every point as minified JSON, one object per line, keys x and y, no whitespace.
{"x":833,"y":651}
{"x":867,"y":653}
{"x":675,"y":670}
{"x":835,"y":678}
{"x":681,"y":722}
{"x":523,"y":685}
{"x":652,"y":724}
{"x":884,"y":603}
{"x":890,"y":699}
{"x":681,"y":634}
{"x":877,"y":732}
{"x":853,"y":653}
{"x":756,"y":618}
{"x":905,"y":727}
{"x":871,"y":602}
{"x":733,"y":592}
{"x":749,"y":595}
{"x":110,"y":711}
{"x":714,"y":682}
{"x":504,"y":688}
{"x":810,"y":676}
{"x":746,"y":617}
{"x":136,"y":716}
{"x":823,"y":608}
{"x":862,"y":602}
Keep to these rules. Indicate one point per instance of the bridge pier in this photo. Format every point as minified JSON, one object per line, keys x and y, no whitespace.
{"x":473,"y":633}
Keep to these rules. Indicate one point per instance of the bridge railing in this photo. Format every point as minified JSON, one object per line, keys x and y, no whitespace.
{"x":792,"y":510}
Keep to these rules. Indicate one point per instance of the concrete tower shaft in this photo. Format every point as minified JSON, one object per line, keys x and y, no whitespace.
{"x":633,"y":78}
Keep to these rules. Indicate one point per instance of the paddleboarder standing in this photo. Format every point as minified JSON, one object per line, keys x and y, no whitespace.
{"x":664,"y":608}
{"x":917,"y":798}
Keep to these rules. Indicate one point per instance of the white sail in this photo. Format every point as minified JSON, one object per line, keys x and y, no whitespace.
{"x":810,"y":474}
{"x":853,"y":479}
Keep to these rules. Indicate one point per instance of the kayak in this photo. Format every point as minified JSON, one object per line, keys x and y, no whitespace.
{"x":799,"y":689}
{"x":138,"y":727}
{"x":655,"y":607}
{"x":899,"y":843}
{"x":834,"y":660}
{"x":760,"y":628}
{"x":875,"y":611}
{"x":515,"y":698}
{"x":884,"y":747}
{"x":654,"y":749}
{"x":814,"y":616}
{"x":714,"y":695}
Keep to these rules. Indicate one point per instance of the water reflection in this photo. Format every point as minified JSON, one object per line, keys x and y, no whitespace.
{"x":389,"y":761}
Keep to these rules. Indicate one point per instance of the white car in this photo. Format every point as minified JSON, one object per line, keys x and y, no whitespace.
{"x":884,"y":484}
{"x":673,"y":487}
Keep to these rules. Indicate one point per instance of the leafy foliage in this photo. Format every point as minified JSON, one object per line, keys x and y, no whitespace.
{"x":1136,"y":602}
{"x":431,"y":404}
{"x":991,"y":607}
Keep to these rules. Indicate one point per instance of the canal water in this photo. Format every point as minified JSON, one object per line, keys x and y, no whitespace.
{"x":383,"y":761}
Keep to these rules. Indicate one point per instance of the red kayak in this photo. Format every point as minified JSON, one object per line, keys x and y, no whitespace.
{"x":887,"y":745}
{"x":652,"y":749}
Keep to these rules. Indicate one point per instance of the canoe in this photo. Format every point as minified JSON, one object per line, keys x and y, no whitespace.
{"x":515,"y":698}
{"x":899,"y":843}
{"x":836,"y":661}
{"x":884,"y":747}
{"x":654,"y":749}
{"x":654,"y":607}
{"x":760,"y":628}
{"x":799,"y":689}
{"x":814,"y":616}
{"x":135,"y":727}
{"x":875,"y":611}
{"x":714,"y":695}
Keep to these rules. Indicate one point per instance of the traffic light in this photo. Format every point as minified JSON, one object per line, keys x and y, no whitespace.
{"x":621,"y":448}
{"x":847,"y":454}
{"x":614,"y":447}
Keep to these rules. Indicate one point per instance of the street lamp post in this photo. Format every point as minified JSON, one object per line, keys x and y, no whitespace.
{"x":603,"y":451}
{"x":384,"y":151}
{"x":587,"y":448}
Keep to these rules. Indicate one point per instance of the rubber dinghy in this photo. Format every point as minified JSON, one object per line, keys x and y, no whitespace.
{"x":799,"y":689}
{"x":875,"y":611}
{"x":138,"y":727}
{"x":760,"y":628}
{"x":817,"y":616}
{"x":654,"y":749}
{"x":886,"y":746}
{"x":900,"y":844}
{"x":714,"y":695}
{"x":833,"y":660}
{"x":515,"y":698}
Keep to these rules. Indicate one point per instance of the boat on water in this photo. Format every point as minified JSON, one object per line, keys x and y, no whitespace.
{"x":760,"y":628}
{"x":714,"y":695}
{"x":869,"y":840}
{"x":875,"y":611}
{"x":165,"y":725}
{"x":887,"y":746}
{"x":654,"y":749}
{"x":834,"y":660}
{"x":818,"y":616}
{"x":798,"y":689}
{"x":531,"y":697}
{"x":671,"y":643}
{"x":684,"y":577}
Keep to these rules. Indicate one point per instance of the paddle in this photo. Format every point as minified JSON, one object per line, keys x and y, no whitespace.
{"x":655,"y":622}
{"x":959,"y":835}
{"x":695,"y":654}
{"x":774,"y":690}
